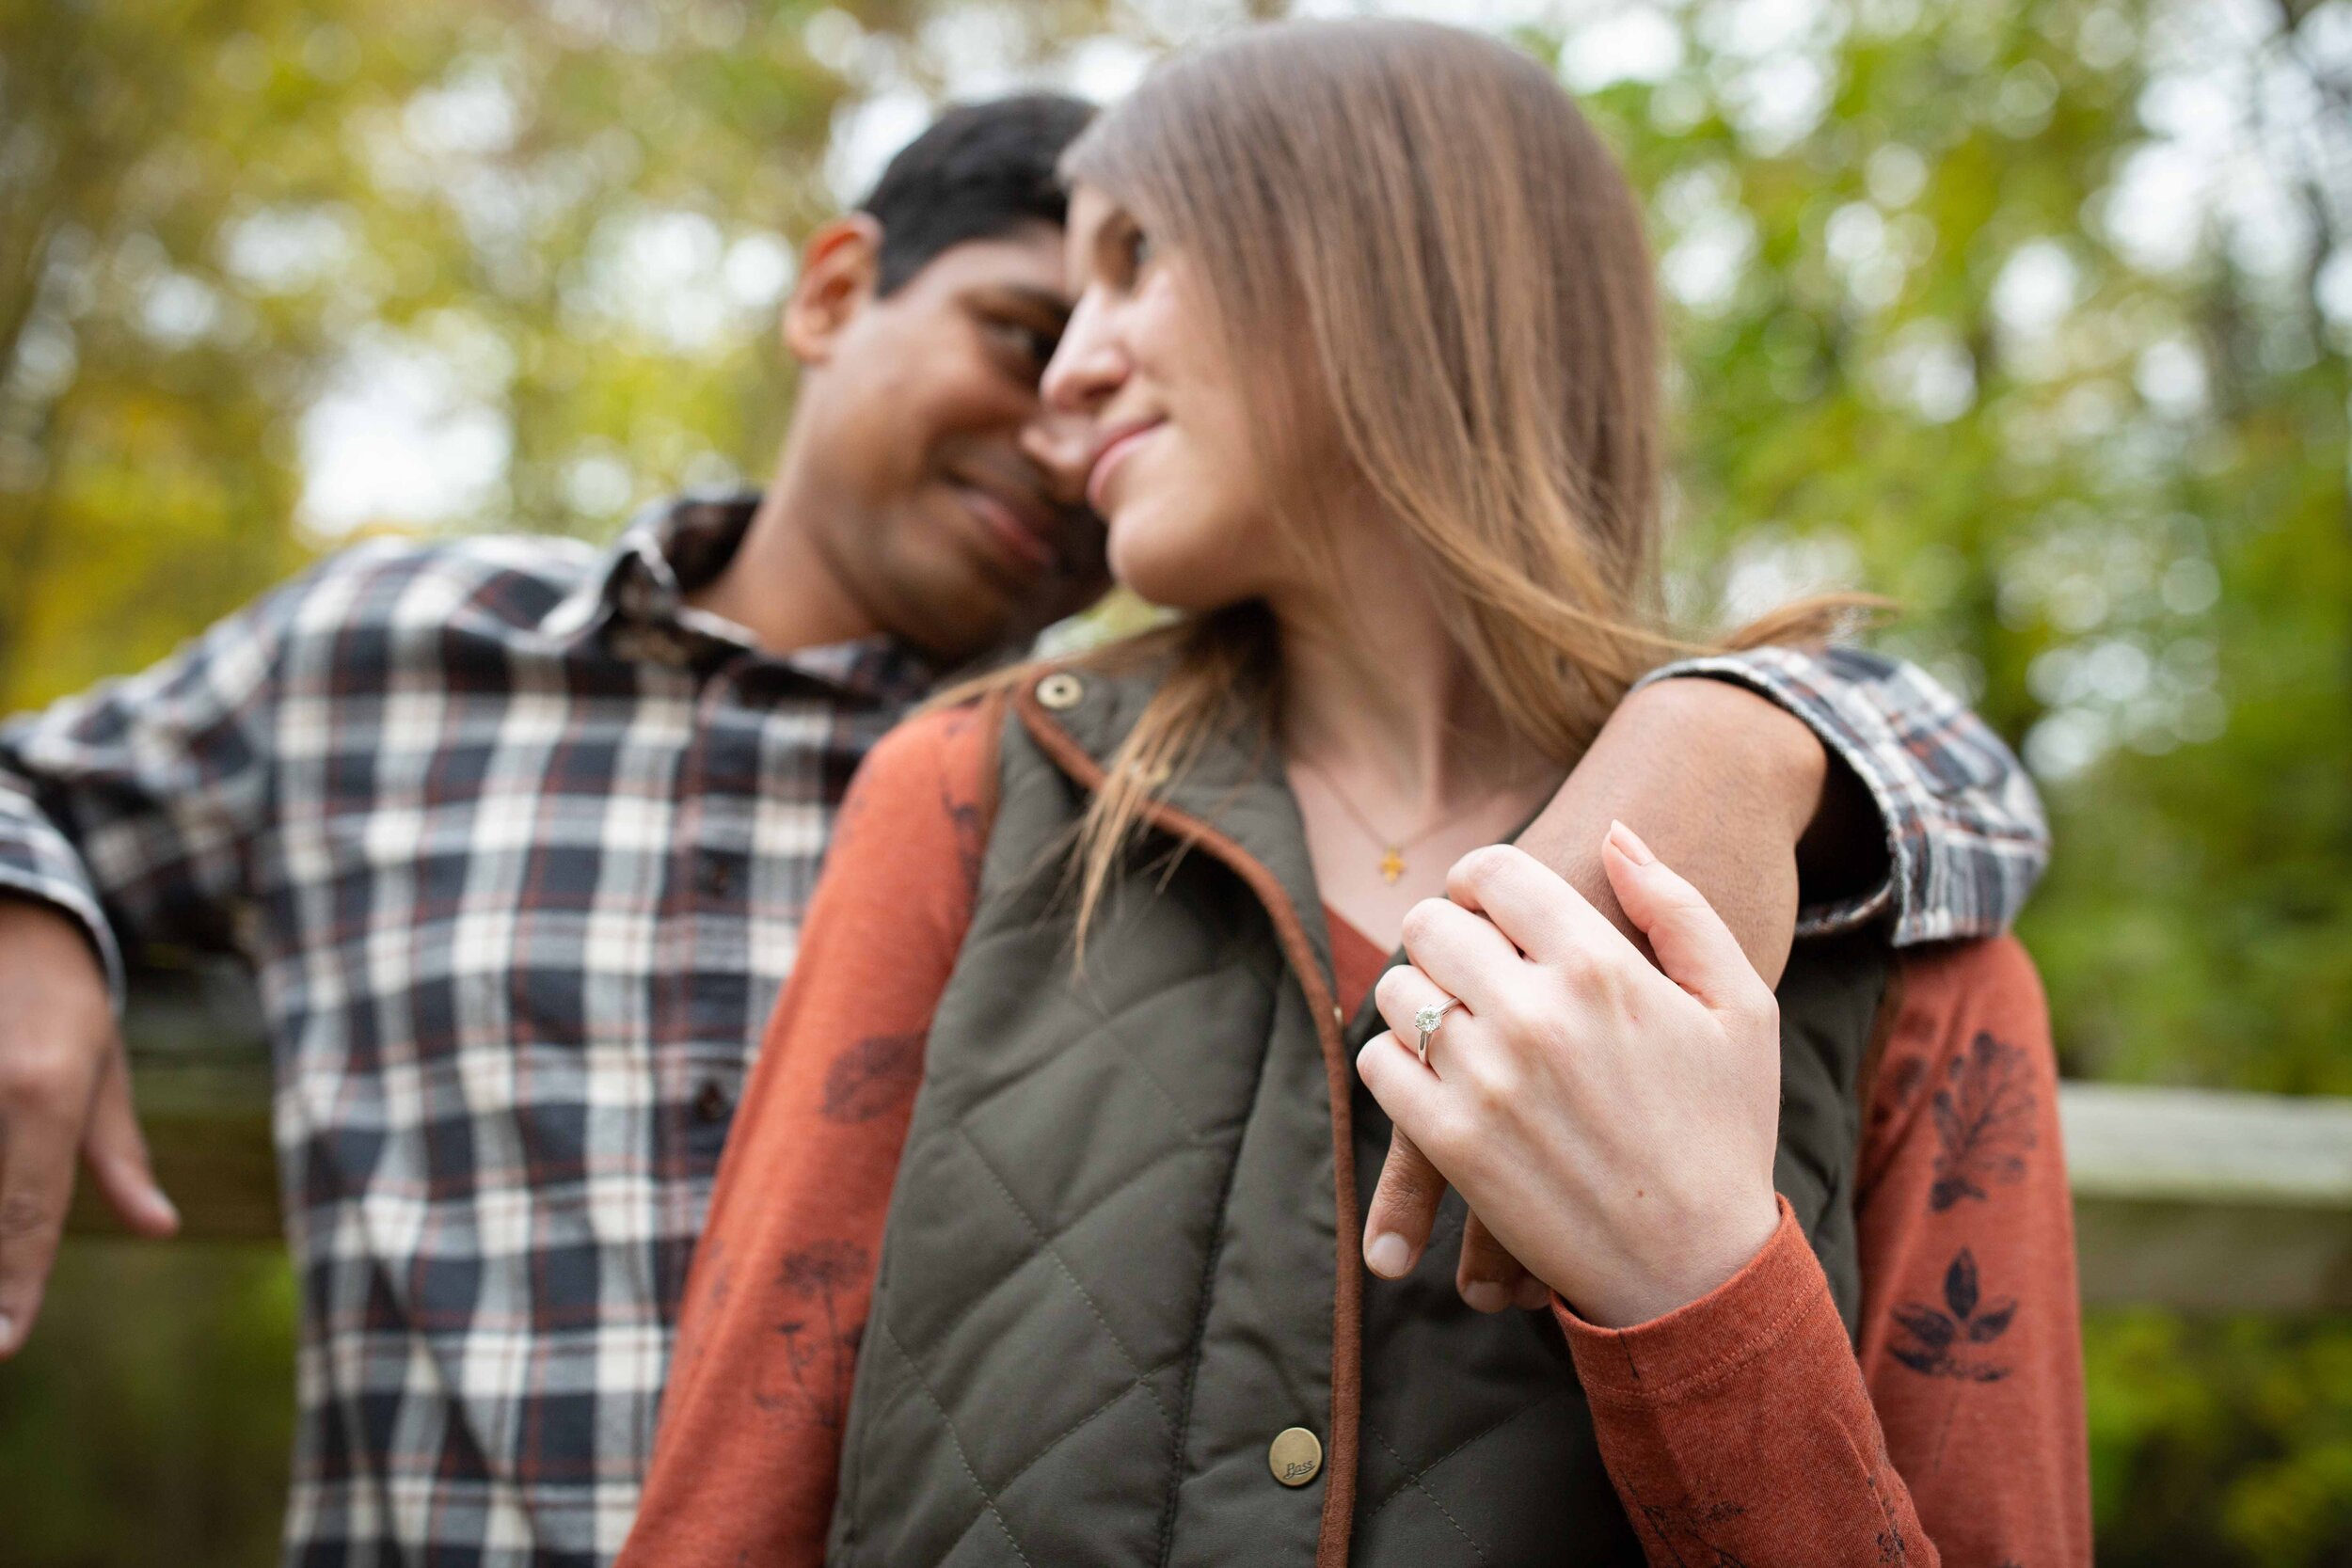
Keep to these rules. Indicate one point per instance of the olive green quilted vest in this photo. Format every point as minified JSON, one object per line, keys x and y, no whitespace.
{"x":1123,"y":1253}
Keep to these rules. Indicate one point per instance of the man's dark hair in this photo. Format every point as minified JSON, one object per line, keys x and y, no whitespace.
{"x":981,"y":170}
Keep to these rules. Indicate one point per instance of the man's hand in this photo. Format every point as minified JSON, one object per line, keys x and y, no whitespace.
{"x":1729,"y":787}
{"x":65,"y":1087}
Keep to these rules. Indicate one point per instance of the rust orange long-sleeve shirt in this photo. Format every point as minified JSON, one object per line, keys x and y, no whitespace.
{"x":1742,"y":1428}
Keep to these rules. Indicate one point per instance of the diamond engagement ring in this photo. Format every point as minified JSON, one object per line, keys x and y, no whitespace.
{"x":1427,"y":1019}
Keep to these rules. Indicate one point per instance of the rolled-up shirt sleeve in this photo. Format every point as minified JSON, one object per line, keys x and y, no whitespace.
{"x":1966,"y":838}
{"x":131,"y":807}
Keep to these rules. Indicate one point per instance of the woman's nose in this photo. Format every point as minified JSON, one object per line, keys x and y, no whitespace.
{"x":1062,"y":447}
{"x":1087,"y":365}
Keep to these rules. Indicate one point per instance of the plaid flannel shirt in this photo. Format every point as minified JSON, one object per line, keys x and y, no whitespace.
{"x":517,"y":845}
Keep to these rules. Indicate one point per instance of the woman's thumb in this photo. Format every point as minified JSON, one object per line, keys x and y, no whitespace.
{"x":1694,"y":948}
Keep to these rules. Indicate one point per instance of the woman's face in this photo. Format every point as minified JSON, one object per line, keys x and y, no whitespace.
{"x":1176,"y":476}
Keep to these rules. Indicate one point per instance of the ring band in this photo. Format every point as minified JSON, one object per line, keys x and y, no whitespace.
{"x":1427,"y":1019}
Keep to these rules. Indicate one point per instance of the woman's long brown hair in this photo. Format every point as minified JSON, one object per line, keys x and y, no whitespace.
{"x":1423,"y":216}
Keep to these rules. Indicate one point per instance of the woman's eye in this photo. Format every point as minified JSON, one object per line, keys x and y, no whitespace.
{"x":1138,"y":251}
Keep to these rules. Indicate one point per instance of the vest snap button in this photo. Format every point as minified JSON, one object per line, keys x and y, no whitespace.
{"x":1295,"y":1457}
{"x":1059,"y":690}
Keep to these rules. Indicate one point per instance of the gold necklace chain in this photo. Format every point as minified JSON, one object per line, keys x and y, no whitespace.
{"x":1391,"y":850}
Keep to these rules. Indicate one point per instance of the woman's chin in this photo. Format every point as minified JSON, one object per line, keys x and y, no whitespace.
{"x":1171,"y":566}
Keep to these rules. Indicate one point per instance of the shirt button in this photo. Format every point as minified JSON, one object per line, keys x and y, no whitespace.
{"x":1295,"y":1457}
{"x":710,"y":1102}
{"x":716,"y":876}
{"x":1059,"y":690}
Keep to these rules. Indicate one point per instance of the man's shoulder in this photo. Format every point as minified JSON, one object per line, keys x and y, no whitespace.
{"x":509,"y":580}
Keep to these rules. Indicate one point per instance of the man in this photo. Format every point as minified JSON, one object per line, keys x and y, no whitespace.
{"x":517,"y":838}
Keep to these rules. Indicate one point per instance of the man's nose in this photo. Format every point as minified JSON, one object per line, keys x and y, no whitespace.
{"x":1063,"y":446}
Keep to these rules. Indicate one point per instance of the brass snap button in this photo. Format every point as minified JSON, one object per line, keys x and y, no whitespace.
{"x":650,"y":645}
{"x":1059,"y":690}
{"x":1295,"y":1457}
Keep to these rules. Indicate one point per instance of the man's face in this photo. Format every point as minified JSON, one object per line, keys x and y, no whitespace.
{"x":948,"y":499}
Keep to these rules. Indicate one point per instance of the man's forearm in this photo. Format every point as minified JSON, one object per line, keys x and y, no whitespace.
{"x":1721,"y":782}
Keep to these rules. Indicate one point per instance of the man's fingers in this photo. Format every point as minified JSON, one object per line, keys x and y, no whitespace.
{"x":116,"y":1154}
{"x":37,"y":1138}
{"x":1404,"y":1207}
{"x":1488,"y":1277}
{"x":1694,"y":948}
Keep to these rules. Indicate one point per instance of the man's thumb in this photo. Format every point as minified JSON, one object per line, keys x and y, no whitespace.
{"x":116,"y":1154}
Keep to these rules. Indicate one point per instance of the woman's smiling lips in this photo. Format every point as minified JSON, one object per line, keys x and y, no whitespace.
{"x":1123,"y":440}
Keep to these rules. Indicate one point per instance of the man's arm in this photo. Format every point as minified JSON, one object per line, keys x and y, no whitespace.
{"x":1716,"y":778}
{"x":1808,"y":793}
{"x":125,"y":817}
{"x":1934,"y":801}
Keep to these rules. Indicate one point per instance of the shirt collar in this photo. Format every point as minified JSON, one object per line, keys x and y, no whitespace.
{"x":636,"y":598}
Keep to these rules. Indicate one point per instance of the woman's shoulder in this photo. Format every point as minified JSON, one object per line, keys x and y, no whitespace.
{"x":1949,"y":991}
{"x":953,"y":741}
{"x":1969,"y":1051}
{"x":923,"y":789}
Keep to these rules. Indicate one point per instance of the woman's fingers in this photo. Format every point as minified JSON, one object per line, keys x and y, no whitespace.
{"x":1463,"y":954}
{"x":1533,"y":906}
{"x":1694,"y":948}
{"x":1404,"y":1205}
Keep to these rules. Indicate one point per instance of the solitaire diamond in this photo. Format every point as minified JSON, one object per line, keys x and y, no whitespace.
{"x":1429,"y":1017}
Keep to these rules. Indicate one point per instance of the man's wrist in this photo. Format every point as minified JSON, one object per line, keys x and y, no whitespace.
{"x":1777,"y":754}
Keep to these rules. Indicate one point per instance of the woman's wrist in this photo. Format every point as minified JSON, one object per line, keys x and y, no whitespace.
{"x":1694,"y":1263}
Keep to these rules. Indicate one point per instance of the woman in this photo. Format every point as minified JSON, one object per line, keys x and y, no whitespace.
{"x":1037,"y":1238}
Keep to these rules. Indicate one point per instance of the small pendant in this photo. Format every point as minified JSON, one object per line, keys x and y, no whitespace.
{"x":1392,"y":866}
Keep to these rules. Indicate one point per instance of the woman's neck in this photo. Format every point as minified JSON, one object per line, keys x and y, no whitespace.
{"x":1401,"y":761}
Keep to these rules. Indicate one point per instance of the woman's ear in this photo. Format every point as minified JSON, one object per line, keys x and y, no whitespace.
{"x":841,"y":269}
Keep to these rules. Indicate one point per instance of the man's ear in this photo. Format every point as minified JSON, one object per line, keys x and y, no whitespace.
{"x":840,"y":268}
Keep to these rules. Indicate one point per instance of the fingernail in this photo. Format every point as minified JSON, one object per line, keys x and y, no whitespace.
{"x":1534,"y":1293}
{"x":1630,"y":845}
{"x":1485,"y":1295}
{"x":7,"y":1332}
{"x":162,"y":1207}
{"x":1389,"y":1256}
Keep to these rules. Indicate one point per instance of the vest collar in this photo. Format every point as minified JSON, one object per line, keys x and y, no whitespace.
{"x":1236,"y":786}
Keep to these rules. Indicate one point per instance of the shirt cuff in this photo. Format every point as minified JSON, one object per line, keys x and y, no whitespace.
{"x":1701,"y":1344}
{"x":1845,"y":915}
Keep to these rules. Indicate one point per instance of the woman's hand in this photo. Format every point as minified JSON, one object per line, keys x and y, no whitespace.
{"x":1611,"y":1123}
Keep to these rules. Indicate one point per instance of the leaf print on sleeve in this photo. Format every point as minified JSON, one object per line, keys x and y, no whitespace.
{"x":1903,"y":1076}
{"x":819,"y":1351}
{"x":1935,"y":1333}
{"x":1695,"y":1526}
{"x":871,"y":1076}
{"x":1984,"y":1121}
{"x":1938,"y":1338}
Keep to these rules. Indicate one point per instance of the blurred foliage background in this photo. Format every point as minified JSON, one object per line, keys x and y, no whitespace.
{"x":2034,"y":314}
